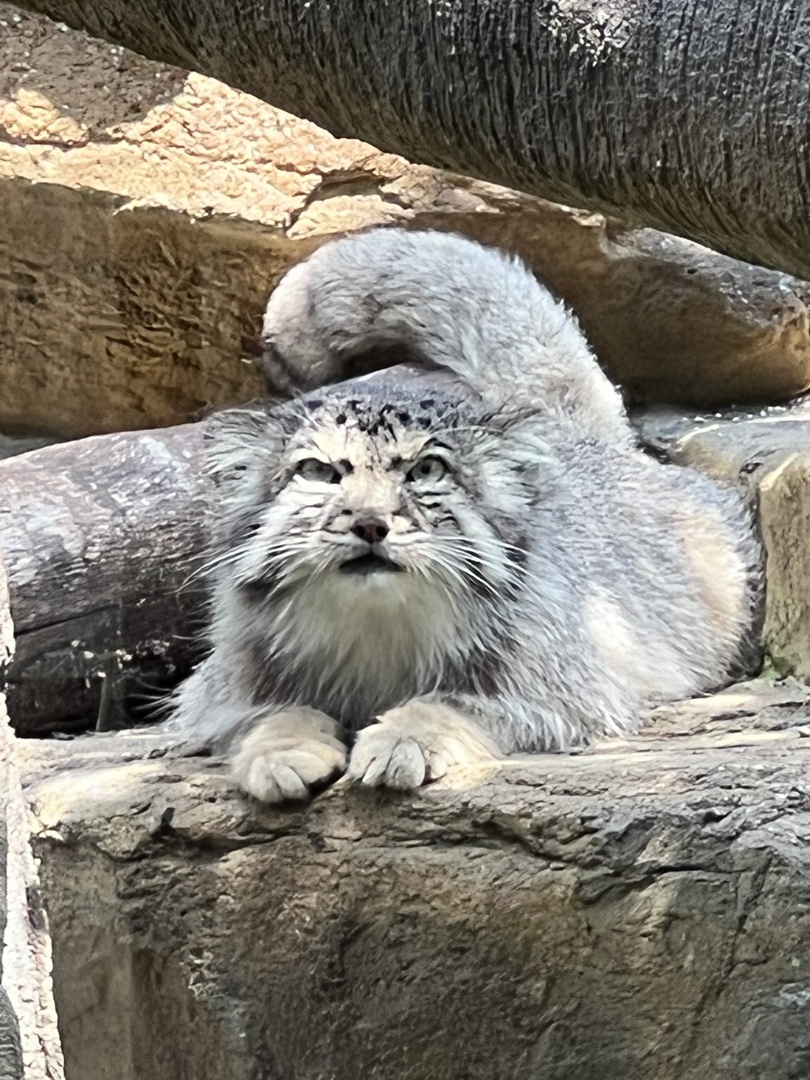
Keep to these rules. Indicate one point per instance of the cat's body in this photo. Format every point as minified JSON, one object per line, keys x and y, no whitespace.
{"x":480,"y":561}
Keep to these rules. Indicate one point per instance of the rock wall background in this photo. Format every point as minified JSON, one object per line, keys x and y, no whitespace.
{"x":147,"y":214}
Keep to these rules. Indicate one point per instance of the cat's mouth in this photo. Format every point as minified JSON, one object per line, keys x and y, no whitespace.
{"x":363,"y":565}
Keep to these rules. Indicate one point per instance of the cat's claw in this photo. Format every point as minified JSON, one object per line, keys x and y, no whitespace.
{"x":415,"y":744}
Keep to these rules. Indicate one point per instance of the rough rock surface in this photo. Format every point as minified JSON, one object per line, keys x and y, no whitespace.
{"x":30,"y":1047}
{"x":639,"y":910}
{"x":148,"y":213}
{"x":11,"y":1062}
{"x":769,"y":451}
{"x":27,"y":951}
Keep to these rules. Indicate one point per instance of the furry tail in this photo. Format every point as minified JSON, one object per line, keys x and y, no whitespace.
{"x":386,"y":296}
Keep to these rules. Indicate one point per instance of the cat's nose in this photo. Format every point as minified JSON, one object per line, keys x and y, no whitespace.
{"x":371,"y":529}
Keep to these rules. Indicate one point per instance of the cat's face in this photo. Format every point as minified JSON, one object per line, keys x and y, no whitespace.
{"x":376,"y":496}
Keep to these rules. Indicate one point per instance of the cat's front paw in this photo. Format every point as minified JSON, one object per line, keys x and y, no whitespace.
{"x":415,"y":744}
{"x":288,"y":754}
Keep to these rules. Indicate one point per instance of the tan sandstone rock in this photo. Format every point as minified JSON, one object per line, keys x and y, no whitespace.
{"x":147,"y":214}
{"x":769,"y":451}
{"x":639,"y":910}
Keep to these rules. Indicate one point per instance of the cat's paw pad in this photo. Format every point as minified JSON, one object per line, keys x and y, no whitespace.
{"x":275,"y":768}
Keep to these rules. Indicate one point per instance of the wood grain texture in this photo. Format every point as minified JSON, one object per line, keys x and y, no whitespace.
{"x":100,"y":537}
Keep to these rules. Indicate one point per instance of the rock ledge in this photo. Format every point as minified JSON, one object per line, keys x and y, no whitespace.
{"x":637,"y":910}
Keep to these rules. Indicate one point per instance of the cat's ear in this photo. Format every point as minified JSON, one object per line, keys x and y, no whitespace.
{"x":518,"y":453}
{"x":249,"y":440}
{"x":244,"y":451}
{"x":524,"y":431}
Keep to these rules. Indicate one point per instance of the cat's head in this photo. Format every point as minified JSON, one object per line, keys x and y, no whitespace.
{"x":382,"y":483}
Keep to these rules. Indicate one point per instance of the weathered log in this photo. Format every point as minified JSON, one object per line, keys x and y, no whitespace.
{"x":640,"y":910}
{"x":663,"y":110}
{"x":101,"y":538}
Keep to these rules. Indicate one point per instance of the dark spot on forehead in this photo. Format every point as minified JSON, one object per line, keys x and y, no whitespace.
{"x":378,"y":411}
{"x":346,"y":465}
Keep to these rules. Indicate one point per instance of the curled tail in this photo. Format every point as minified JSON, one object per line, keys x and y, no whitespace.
{"x":385,"y":296}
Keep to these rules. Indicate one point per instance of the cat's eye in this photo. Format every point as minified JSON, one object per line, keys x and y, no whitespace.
{"x":428,"y":470}
{"x":318,"y":472}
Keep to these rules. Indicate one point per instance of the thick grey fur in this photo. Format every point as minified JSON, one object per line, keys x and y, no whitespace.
{"x":554,"y":580}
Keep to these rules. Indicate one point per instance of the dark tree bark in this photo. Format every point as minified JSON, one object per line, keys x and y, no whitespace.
{"x":688,"y":115}
{"x":11,"y":1064}
{"x":100,"y":540}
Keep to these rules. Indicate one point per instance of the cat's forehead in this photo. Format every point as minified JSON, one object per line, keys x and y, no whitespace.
{"x":358,"y":431}
{"x":380,"y":417}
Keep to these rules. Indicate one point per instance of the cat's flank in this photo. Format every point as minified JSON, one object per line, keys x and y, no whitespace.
{"x":457,"y":558}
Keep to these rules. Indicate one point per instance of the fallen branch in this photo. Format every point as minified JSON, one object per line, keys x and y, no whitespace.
{"x":100,"y":539}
